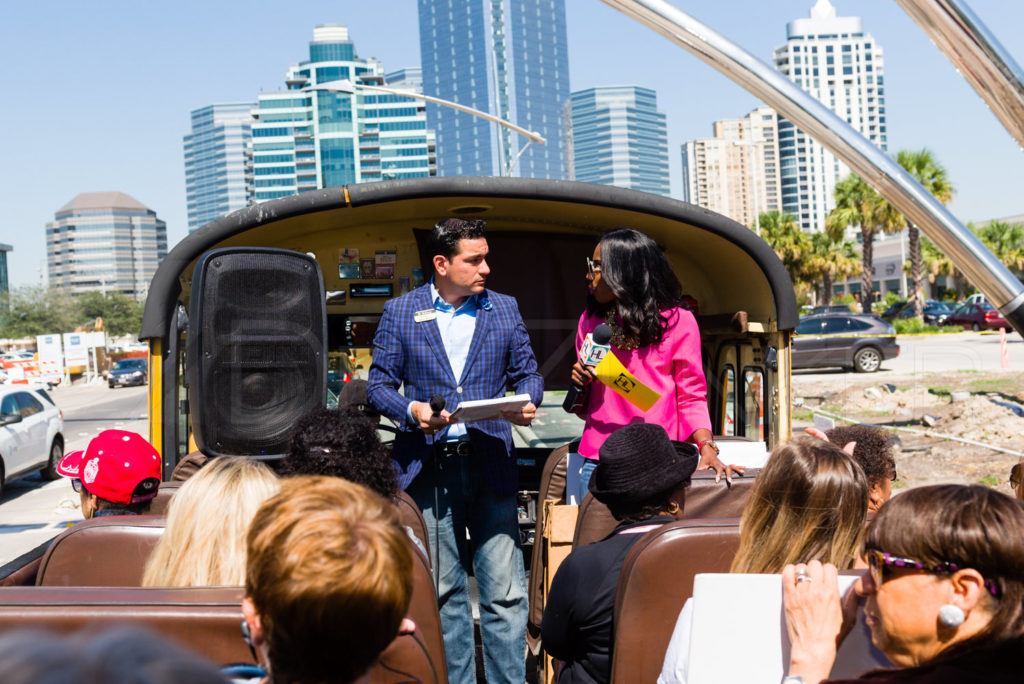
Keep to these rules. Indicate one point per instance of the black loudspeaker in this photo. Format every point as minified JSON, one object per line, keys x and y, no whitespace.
{"x":256,"y":359}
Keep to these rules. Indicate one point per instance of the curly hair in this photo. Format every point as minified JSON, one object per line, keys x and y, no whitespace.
{"x":341,"y":443}
{"x":873,"y":449}
{"x":643,"y":282}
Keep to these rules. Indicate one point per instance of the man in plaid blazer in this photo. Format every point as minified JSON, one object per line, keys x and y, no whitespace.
{"x":454,"y":338}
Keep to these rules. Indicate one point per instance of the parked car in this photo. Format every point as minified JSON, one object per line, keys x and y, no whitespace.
{"x":934,"y":313}
{"x":31,"y":433}
{"x":831,"y":308}
{"x":128,"y":372}
{"x":857,"y":341}
{"x":977,"y":316}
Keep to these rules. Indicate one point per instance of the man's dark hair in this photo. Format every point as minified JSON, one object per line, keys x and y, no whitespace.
{"x":444,"y":239}
{"x":873,"y":449}
{"x":115,"y":508}
{"x":341,"y":443}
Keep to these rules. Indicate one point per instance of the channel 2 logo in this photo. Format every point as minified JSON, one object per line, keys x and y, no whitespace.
{"x":624,"y":383}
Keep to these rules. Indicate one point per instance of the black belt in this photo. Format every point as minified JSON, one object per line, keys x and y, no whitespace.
{"x":463,"y":449}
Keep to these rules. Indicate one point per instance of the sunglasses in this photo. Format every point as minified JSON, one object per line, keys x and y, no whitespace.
{"x":877,"y":560}
{"x":1015,"y":475}
{"x":593,"y":267}
{"x":76,"y":484}
{"x":892,"y":473}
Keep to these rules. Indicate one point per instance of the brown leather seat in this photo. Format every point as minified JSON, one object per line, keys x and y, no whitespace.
{"x":412,"y":518}
{"x":704,"y":499}
{"x":552,"y":487}
{"x":102,"y":552}
{"x":207,"y":620}
{"x":163,"y":497}
{"x":656,"y":579}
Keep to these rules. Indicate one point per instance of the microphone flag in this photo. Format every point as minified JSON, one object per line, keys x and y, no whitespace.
{"x":614,"y":375}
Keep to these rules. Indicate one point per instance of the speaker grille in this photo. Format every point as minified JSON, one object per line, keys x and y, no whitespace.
{"x":256,"y":349}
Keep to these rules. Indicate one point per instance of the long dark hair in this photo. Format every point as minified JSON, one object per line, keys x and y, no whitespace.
{"x":974,"y":527}
{"x":638,"y":274}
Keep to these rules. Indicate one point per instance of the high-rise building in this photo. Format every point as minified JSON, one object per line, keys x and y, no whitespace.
{"x":510,"y":59}
{"x":307,"y":139}
{"x":615,"y":135}
{"x":736,"y":172}
{"x":836,"y":62}
{"x":4,"y":284}
{"x":105,"y":241}
{"x":216,"y":161}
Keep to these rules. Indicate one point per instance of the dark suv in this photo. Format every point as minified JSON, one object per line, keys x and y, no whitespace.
{"x":858,"y":341}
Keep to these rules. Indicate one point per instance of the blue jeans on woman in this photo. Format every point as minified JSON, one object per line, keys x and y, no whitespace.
{"x":589,"y":464}
{"x":464,"y":502}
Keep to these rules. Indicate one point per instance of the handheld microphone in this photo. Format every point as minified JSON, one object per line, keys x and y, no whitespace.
{"x":437,"y":404}
{"x":595,"y":347}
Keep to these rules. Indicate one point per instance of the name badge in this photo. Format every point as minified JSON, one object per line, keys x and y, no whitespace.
{"x":425,"y":315}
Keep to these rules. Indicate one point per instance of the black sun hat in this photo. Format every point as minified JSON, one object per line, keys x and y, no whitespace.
{"x":638,"y":462}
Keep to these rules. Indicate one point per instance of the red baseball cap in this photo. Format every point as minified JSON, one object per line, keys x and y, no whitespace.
{"x":118,"y":466}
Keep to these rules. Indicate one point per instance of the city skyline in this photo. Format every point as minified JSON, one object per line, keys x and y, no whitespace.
{"x":93,"y":134}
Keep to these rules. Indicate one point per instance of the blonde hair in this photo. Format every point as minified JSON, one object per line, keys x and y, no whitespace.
{"x":203,"y":544}
{"x":809,"y":503}
{"x":330,"y":567}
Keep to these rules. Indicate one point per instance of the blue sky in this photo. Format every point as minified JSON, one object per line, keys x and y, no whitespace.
{"x":97,"y":95}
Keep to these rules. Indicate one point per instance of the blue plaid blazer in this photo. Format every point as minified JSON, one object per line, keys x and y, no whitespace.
{"x":412,"y":354}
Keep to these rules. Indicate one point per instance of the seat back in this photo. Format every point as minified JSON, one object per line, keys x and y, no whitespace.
{"x":412,"y":517}
{"x":158,"y":506}
{"x":207,"y":620}
{"x":656,"y":579}
{"x":552,"y":487}
{"x":705,"y":498}
{"x":102,"y":552}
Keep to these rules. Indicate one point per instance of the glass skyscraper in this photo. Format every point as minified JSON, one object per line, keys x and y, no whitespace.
{"x":106,"y":241}
{"x":216,"y":161}
{"x":615,"y":135}
{"x":4,"y":283}
{"x":508,"y":58}
{"x":306,"y":139}
{"x":835,"y":61}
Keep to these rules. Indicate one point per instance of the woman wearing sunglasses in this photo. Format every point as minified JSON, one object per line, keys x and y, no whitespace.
{"x":944,"y":594}
{"x":635,"y":292}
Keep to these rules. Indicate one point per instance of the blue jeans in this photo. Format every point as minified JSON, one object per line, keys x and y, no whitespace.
{"x":589,"y":464}
{"x":493,"y":552}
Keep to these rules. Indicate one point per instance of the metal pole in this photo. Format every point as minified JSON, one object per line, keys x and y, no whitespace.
{"x":964,"y":249}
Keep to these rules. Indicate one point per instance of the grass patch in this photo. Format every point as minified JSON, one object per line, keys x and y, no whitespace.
{"x":905,"y":326}
{"x":990,"y":481}
{"x":803,"y":415}
{"x":899,"y":483}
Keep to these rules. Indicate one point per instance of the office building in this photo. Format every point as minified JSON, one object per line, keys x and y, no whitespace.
{"x":615,"y":135}
{"x":510,"y":59}
{"x":735,"y":172}
{"x":836,"y":62}
{"x":4,"y":281}
{"x":106,"y":241}
{"x":305,"y":139}
{"x":216,"y":160}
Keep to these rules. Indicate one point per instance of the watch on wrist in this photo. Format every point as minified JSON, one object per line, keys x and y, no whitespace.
{"x":792,"y":679}
{"x":708,"y":442}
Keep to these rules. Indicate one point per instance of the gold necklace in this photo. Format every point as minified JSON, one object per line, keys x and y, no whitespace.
{"x":620,"y":338}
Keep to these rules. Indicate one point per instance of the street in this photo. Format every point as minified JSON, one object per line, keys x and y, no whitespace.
{"x":33,"y":510}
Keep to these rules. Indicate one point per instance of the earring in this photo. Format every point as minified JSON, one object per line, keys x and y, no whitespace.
{"x":951,"y":616}
{"x":246,"y":635}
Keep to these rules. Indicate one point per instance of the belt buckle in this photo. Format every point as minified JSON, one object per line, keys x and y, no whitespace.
{"x":464,"y":449}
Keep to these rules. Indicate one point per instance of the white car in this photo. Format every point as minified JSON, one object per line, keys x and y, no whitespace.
{"x":31,"y":433}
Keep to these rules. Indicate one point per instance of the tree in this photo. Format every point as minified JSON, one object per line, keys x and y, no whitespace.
{"x":121,"y":314}
{"x":35,"y":310}
{"x":831,"y":258}
{"x":921,"y":164}
{"x":938,"y":264}
{"x":857,"y":204}
{"x":1006,"y":240}
{"x":780,"y":230}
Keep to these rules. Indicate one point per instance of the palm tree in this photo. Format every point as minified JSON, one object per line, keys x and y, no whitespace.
{"x":857,"y":204}
{"x":780,"y":230}
{"x":940,"y":264}
{"x":929,"y":173}
{"x":831,"y":259}
{"x":1006,"y":240}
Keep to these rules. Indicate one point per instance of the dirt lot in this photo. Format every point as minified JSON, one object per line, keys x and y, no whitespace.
{"x":987,"y":408}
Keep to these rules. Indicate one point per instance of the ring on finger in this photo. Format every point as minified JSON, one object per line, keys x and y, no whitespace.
{"x":803,"y":578}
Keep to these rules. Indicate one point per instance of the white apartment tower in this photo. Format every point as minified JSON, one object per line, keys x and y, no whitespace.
{"x":736,"y":172}
{"x":836,"y":62}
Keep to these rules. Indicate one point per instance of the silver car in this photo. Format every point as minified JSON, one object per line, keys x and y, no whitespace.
{"x":31,"y":433}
